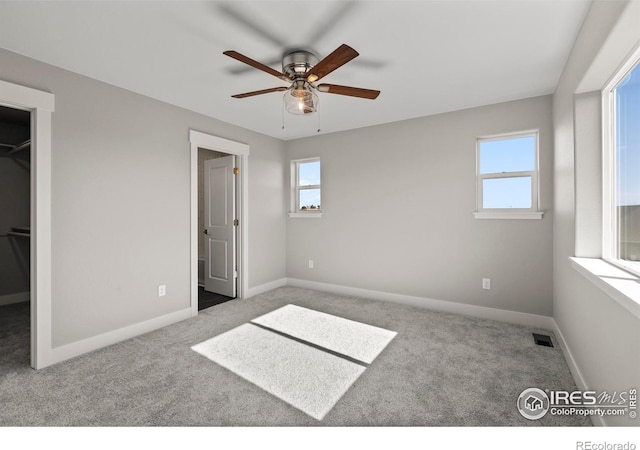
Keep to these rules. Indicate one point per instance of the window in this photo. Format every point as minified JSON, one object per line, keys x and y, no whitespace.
{"x":507,"y":173}
{"x":621,"y":163}
{"x":306,"y":191}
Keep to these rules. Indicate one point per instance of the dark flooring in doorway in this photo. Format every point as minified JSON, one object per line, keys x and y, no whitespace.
{"x":15,"y":335}
{"x":209,"y":299}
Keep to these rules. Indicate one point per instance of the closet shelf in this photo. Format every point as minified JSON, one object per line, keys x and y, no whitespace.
{"x":19,"y":232}
{"x":16,"y":148}
{"x":15,"y":233}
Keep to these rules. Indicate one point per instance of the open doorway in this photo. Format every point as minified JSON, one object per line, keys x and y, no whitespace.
{"x":41,"y":106}
{"x":235,"y":212}
{"x":15,"y":237}
{"x":217,"y":222}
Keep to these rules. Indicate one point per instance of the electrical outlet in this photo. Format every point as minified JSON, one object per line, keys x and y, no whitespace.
{"x":162,"y":290}
{"x":311,"y":264}
{"x":486,"y":283}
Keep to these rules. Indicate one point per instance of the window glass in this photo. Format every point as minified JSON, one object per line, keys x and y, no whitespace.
{"x":508,"y":155}
{"x":508,"y":174}
{"x":305,"y":187}
{"x":309,"y":199}
{"x":309,"y":173}
{"x":506,"y":192}
{"x":627,"y":188}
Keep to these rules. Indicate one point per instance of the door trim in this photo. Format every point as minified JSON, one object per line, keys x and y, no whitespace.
{"x":41,"y":104}
{"x":197,"y":140}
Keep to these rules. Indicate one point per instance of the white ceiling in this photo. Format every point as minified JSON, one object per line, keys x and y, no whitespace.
{"x":426,"y":57}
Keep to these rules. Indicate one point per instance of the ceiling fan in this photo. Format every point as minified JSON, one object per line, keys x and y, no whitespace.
{"x":302,"y":69}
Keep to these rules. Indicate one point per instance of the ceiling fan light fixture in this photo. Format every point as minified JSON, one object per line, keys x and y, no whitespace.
{"x":301,"y":100}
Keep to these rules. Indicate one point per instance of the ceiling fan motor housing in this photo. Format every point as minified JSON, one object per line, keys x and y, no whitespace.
{"x":297,"y":63}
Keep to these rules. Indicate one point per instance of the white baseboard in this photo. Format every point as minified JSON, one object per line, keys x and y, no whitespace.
{"x":10,"y":299}
{"x":519,"y":318}
{"x":575,"y":370}
{"x":532,"y":320}
{"x":74,"y":349}
{"x":261,"y":289}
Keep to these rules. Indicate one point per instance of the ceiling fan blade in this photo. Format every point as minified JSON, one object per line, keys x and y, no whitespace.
{"x":253,"y":63}
{"x":249,"y":22}
{"x":240,"y":70}
{"x":263,"y":91}
{"x":347,"y":90}
{"x":337,"y":58}
{"x":338,"y":13}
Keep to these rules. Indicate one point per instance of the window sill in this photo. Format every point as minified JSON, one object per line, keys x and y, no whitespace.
{"x":622,"y":286}
{"x":537,"y":215}
{"x":305,"y":215}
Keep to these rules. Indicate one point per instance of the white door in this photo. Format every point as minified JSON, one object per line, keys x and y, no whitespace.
{"x":219,"y":227}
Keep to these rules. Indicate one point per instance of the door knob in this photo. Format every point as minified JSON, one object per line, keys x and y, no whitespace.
{"x":206,"y":231}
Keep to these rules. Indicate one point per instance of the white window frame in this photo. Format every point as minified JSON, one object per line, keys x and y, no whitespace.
{"x":609,"y":214}
{"x":508,"y":213}
{"x":295,"y":211}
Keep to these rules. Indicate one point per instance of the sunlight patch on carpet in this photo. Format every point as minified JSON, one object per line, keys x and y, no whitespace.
{"x":307,"y":358}
{"x":305,"y":377}
{"x":350,"y":338}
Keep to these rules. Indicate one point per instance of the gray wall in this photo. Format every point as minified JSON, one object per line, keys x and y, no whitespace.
{"x":397,"y":204}
{"x":121,"y":199}
{"x":604,"y":338}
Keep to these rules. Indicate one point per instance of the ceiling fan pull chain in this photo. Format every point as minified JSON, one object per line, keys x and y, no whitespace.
{"x":318,"y":114}
{"x":283,"y":115}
